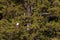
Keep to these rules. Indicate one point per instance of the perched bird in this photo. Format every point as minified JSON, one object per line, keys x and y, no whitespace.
{"x":17,"y":25}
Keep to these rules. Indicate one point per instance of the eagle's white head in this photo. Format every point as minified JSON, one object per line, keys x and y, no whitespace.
{"x":17,"y":23}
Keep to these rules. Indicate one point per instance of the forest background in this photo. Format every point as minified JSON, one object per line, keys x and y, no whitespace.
{"x":37,"y":19}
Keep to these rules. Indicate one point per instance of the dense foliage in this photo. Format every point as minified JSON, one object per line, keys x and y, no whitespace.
{"x":38,"y":19}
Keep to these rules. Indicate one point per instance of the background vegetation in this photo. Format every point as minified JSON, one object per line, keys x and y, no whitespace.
{"x":38,"y":19}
